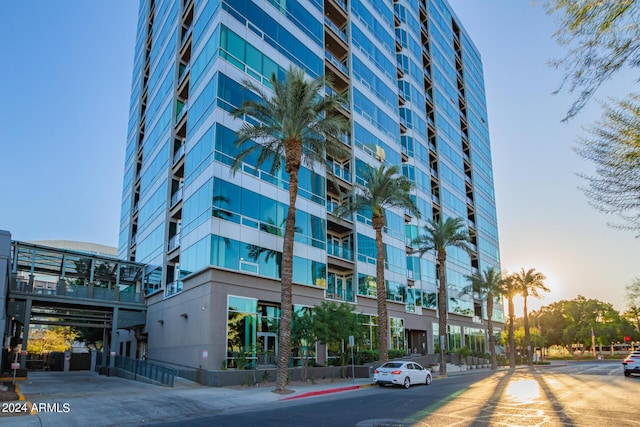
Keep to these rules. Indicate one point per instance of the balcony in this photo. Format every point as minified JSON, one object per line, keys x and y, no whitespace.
{"x":183,"y":76}
{"x":340,"y":294}
{"x":339,"y":170}
{"x":332,"y":205}
{"x":341,"y":33}
{"x":176,"y":197}
{"x":340,"y":65}
{"x":408,"y":242}
{"x":186,"y":34}
{"x":181,"y":110}
{"x":178,"y":154}
{"x":336,"y":10}
{"x":174,"y":287}
{"x":344,"y":138}
{"x":339,"y":251}
{"x":174,"y":243}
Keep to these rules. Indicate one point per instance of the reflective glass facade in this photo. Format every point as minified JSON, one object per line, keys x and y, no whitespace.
{"x":415,"y":91}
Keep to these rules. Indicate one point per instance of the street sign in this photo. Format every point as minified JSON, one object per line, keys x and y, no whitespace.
{"x":351,"y":341}
{"x":15,"y":366}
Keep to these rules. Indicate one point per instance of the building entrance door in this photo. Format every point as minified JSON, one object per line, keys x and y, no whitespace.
{"x":267,"y":348}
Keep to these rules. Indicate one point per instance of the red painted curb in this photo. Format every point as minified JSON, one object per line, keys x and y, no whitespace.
{"x":321,"y":392}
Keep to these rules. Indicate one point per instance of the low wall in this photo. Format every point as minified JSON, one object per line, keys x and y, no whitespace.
{"x":252,"y":376}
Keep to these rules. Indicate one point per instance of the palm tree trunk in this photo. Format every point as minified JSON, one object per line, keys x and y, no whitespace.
{"x":492,"y":337}
{"x":512,"y":339}
{"x":381,"y":291}
{"x":442,"y":312}
{"x":527,"y":335}
{"x":286,"y":279}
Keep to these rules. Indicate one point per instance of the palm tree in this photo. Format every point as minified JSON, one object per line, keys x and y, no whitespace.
{"x":489,"y":286}
{"x":510,"y":290}
{"x":385,"y":188}
{"x":292,"y":126}
{"x":529,"y":283}
{"x":438,"y":236}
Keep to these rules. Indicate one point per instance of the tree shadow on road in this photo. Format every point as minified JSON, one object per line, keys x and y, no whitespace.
{"x":505,"y":398}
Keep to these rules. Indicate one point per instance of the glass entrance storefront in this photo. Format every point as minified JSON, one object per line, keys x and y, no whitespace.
{"x":266,"y":348}
{"x":252,"y":332}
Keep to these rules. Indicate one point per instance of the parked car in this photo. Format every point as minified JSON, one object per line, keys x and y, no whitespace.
{"x":631,"y":364}
{"x":401,"y":373}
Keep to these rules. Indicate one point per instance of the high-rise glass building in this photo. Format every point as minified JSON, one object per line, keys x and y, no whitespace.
{"x":213,"y":239}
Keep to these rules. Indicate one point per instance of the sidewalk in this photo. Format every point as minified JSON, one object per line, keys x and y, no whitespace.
{"x":88,"y":399}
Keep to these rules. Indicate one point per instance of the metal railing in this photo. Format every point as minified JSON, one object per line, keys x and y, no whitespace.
{"x":179,"y":153}
{"x":342,"y":66}
{"x":337,"y":30}
{"x":176,"y":197}
{"x":64,"y":289}
{"x":174,"y":242}
{"x":339,"y":251}
{"x":142,"y":368}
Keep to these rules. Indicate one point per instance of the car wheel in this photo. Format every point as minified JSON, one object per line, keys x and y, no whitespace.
{"x":428,"y":380}
{"x":407,"y":383}
{"x":627,"y":373}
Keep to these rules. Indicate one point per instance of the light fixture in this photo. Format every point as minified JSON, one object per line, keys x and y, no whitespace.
{"x":185,"y":315}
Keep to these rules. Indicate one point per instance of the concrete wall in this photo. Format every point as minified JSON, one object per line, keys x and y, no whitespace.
{"x":189,"y":329}
{"x":250,"y":377}
{"x":125,"y":336}
{"x":5,"y":267}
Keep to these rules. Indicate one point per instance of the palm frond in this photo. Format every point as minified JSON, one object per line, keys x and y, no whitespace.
{"x":438,"y":235}
{"x":385,"y":188}
{"x":291,"y":126}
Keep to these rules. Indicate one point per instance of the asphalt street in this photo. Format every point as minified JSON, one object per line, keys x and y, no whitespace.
{"x":567,"y":394}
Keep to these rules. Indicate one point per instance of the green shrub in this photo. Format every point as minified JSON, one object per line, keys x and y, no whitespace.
{"x":396,"y":354}
{"x":463,"y":352}
{"x":241,"y":359}
{"x":366,"y":356}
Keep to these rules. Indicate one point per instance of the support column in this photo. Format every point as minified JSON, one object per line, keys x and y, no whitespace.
{"x":105,"y":347}
{"x":112,"y":344}
{"x":25,"y":334}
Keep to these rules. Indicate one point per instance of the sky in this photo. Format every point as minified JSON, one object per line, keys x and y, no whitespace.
{"x":66,"y":84}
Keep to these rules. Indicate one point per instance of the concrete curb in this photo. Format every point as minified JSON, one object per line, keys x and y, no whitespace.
{"x":327,"y":391}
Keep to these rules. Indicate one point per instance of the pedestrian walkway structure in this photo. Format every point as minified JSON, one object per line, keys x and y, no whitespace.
{"x":48,"y":286}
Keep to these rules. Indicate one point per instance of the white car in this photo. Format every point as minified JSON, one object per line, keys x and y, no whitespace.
{"x":401,"y":373}
{"x":631,"y":364}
